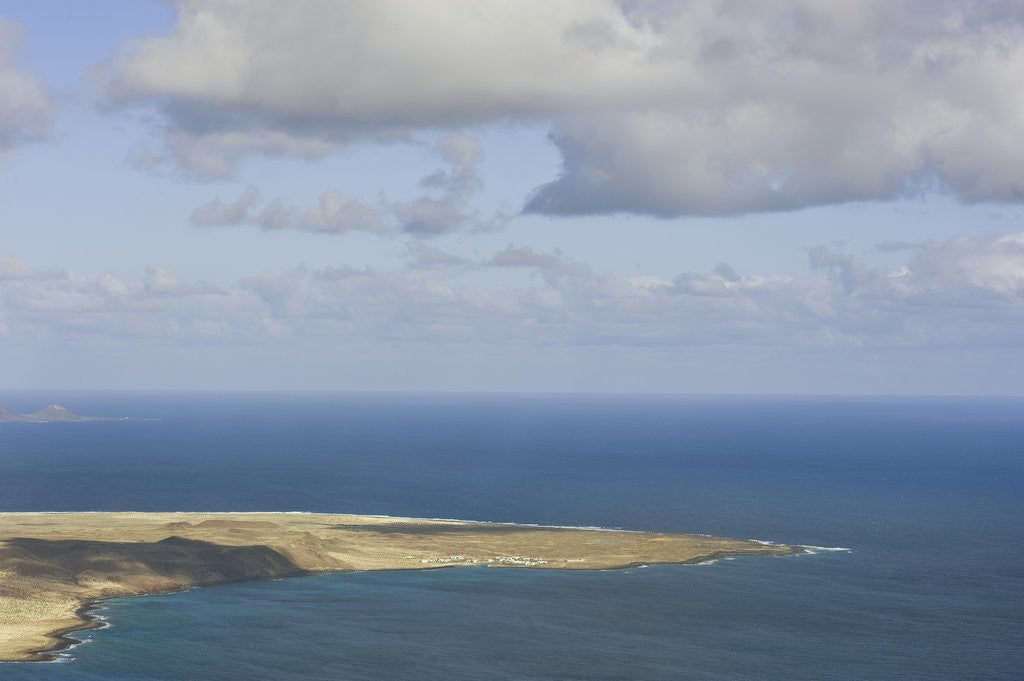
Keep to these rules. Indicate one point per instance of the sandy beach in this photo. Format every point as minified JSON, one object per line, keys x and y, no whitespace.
{"x":54,"y":565}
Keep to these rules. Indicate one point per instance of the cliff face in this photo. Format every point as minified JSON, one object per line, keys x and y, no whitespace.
{"x":112,"y":568}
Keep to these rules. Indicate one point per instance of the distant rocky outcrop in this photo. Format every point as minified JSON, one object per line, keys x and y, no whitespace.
{"x":48,"y":414}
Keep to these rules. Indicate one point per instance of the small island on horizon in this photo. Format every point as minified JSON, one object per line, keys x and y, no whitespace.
{"x":53,"y":413}
{"x":55,"y":566}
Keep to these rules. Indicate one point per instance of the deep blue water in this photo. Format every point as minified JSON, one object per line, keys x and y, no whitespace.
{"x":928,"y":493}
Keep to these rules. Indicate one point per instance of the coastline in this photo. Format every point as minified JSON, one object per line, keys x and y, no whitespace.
{"x":84,"y":559}
{"x":63,"y":639}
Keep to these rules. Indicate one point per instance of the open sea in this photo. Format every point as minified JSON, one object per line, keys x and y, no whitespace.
{"x":927,"y":493}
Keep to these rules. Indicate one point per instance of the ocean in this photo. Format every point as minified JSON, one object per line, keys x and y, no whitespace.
{"x":926,"y":493}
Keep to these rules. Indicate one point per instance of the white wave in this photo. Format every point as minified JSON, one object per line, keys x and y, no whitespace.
{"x":590,"y":528}
{"x":812,"y":550}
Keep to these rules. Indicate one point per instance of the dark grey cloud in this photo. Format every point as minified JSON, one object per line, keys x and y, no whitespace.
{"x":695,"y":108}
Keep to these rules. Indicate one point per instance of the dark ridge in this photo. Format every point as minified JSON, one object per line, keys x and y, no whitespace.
{"x":175,"y":558}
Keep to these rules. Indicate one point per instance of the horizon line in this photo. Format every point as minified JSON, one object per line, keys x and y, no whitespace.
{"x":498,"y":393}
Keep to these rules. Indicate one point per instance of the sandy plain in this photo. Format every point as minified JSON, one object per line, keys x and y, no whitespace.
{"x":53,"y":566}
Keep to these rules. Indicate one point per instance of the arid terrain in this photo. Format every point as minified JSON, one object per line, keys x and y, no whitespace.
{"x":53,"y":565}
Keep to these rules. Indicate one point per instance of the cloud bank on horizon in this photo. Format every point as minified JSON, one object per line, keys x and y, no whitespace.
{"x":923,"y":302}
{"x":659,"y":108}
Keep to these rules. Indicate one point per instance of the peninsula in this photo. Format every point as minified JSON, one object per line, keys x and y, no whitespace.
{"x":54,"y":565}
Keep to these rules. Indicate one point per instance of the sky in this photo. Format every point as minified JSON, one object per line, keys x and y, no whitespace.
{"x":541,"y":195}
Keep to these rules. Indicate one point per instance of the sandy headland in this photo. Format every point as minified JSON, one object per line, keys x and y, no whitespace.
{"x":54,"y":565}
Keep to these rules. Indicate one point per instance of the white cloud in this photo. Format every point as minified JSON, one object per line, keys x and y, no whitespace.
{"x":448,"y":210}
{"x":443,"y":209}
{"x":966,"y":292}
{"x":659,"y":108}
{"x":334,"y":213}
{"x":160,"y":280}
{"x":368,"y":67}
{"x":421,"y":256}
{"x":429,"y":217}
{"x":990,"y":264}
{"x":13,"y":267}
{"x":26,"y":108}
{"x":809,"y":104}
{"x":550,"y":266}
{"x":217,"y":213}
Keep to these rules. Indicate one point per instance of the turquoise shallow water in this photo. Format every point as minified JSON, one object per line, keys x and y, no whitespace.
{"x":927,"y":494}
